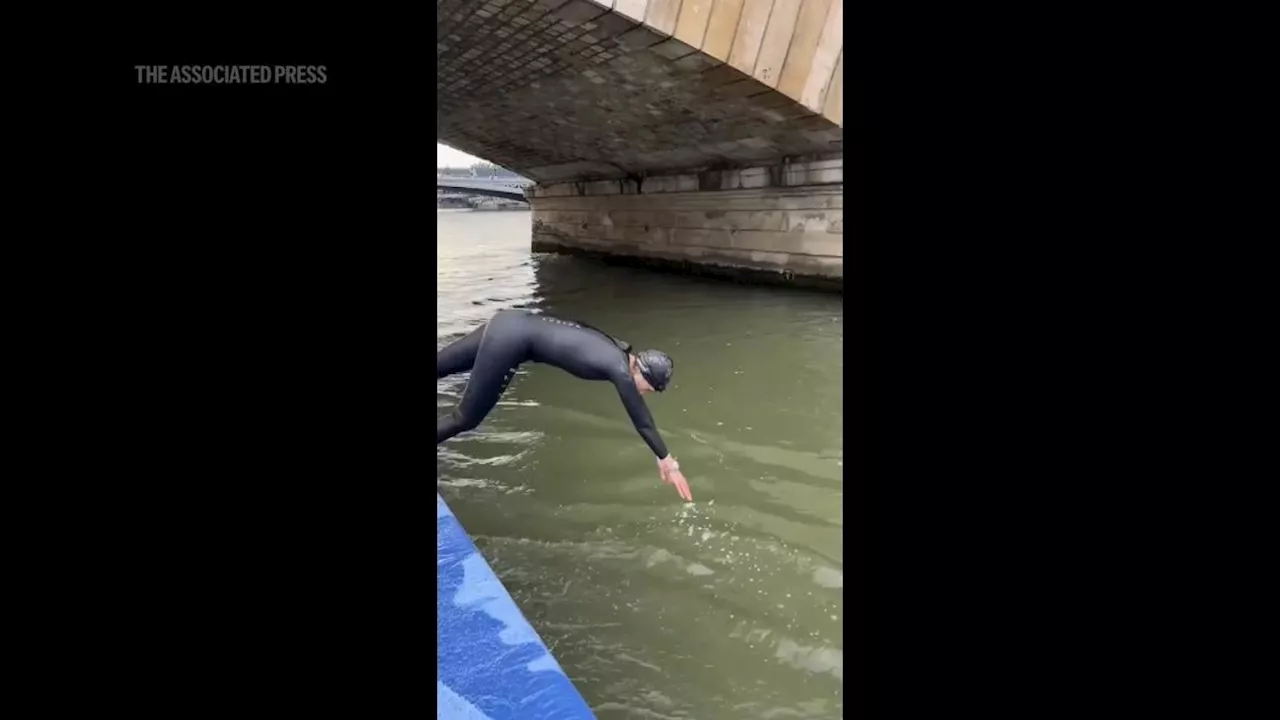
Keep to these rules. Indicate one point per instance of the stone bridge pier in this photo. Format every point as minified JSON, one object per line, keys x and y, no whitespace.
{"x":700,"y":134}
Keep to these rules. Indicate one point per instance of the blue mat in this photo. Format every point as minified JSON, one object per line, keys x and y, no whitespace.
{"x":490,"y":663}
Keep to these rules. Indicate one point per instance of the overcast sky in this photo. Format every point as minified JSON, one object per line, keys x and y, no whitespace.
{"x":448,"y":157}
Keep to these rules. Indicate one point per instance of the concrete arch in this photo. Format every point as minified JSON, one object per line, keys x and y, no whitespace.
{"x":573,"y":90}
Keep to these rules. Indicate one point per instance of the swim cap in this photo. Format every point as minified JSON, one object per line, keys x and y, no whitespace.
{"x":656,"y":367}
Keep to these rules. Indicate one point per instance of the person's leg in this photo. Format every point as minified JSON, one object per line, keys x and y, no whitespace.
{"x":494,"y":366}
{"x":459,"y":355}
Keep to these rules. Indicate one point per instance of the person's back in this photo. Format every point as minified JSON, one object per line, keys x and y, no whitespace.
{"x":578,"y":349}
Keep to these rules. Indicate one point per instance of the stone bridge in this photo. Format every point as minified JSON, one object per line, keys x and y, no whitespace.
{"x":703,"y":132}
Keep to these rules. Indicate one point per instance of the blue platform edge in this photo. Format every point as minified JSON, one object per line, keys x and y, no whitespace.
{"x":490,"y":663}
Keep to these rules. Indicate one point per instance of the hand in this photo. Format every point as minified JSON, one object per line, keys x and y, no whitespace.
{"x":671,"y":475}
{"x":667,"y":464}
{"x":676,"y":478}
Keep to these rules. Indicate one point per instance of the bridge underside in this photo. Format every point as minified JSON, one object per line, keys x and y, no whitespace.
{"x":725,"y":115}
{"x":573,"y":89}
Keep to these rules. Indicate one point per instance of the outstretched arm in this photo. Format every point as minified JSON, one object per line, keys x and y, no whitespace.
{"x":640,"y":417}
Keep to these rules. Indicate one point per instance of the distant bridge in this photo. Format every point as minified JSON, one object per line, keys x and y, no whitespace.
{"x":506,"y":188}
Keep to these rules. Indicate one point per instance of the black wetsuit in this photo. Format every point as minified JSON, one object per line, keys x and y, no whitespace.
{"x":494,"y":350}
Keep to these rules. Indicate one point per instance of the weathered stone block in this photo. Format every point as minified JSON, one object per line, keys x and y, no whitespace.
{"x":795,"y":232}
